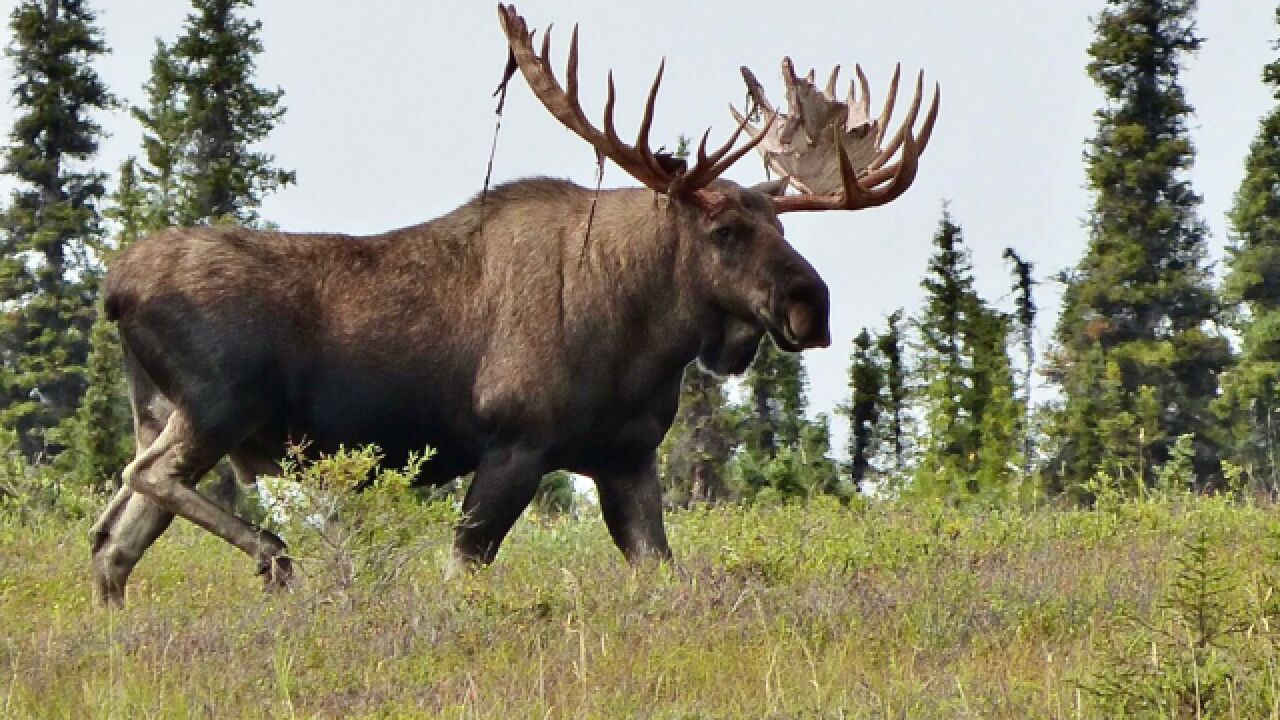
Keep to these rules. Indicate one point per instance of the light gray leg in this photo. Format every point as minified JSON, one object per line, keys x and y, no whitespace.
{"x":116,"y":551}
{"x":165,"y":474}
{"x":130,"y":523}
{"x":102,"y":529}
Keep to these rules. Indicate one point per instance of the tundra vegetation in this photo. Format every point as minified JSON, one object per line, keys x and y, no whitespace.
{"x":1155,"y":607}
{"x":974,"y":551}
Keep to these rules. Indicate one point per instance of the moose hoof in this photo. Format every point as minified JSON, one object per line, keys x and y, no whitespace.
{"x":108,"y":592}
{"x":276,"y":572}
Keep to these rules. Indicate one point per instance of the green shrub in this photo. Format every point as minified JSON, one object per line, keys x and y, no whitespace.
{"x":31,"y":492}
{"x":1204,"y":650}
{"x":353,"y":525}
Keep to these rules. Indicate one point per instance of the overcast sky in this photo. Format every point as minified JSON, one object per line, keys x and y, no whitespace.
{"x":390,"y":117}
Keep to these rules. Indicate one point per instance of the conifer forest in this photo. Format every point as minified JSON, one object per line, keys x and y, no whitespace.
{"x":1054,"y":501}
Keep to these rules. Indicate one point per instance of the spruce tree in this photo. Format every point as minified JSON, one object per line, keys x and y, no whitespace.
{"x":949,"y":294}
{"x":890,"y":345}
{"x":820,"y":470}
{"x":866,"y":402}
{"x":782,"y":451}
{"x":99,"y":436}
{"x":130,"y":210}
{"x":224,"y":114}
{"x":1250,"y":401}
{"x":776,"y":386}
{"x":166,"y":140}
{"x":1136,"y":353}
{"x":966,"y":388}
{"x":1025,"y":318}
{"x":555,"y":495}
{"x":696,"y":450}
{"x":50,"y":231}
{"x":990,"y":404}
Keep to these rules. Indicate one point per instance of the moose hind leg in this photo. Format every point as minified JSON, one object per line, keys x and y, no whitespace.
{"x":166,"y":474}
{"x":130,"y":523}
{"x":117,"y":550}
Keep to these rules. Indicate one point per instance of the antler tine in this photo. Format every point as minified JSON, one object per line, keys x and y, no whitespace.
{"x":742,"y":120}
{"x":831,"y":83}
{"x":711,"y":167}
{"x":853,"y":190}
{"x":702,"y":148}
{"x":702,"y":173}
{"x":646,"y":122}
{"x":886,"y":114}
{"x":903,"y":174}
{"x":926,"y":131}
{"x":546,"y":49}
{"x":900,"y":177}
{"x":906,"y":171}
{"x":571,"y":67}
{"x":747,"y":147}
{"x":906,"y":127}
{"x":570,"y":89}
{"x":789,"y":72}
{"x":879,"y":175}
{"x":864,"y":101}
{"x":639,"y":160}
{"x":610,"y":100}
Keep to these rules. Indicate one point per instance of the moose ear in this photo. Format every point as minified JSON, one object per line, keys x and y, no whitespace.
{"x":773,"y":188}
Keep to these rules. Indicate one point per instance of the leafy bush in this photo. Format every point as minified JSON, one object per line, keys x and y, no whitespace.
{"x":356,"y":523}
{"x":555,"y":496}
{"x":30,"y":492}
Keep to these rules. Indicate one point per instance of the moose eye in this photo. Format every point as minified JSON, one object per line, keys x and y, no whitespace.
{"x":722,"y":234}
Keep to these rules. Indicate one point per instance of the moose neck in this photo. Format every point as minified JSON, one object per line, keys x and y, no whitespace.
{"x":603,"y":278}
{"x":632,"y":255}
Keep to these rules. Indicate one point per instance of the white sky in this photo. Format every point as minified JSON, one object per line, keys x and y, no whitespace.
{"x":390,"y":117}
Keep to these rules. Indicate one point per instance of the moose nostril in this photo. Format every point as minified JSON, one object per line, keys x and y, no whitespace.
{"x":799,"y":320}
{"x":806,"y":311}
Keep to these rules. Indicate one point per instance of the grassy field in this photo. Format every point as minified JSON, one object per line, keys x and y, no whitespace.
{"x":1144,"y":609}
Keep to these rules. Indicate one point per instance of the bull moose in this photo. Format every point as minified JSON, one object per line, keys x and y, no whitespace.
{"x":542,"y":325}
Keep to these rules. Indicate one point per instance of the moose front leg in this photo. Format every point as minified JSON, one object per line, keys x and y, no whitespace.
{"x":631,"y":502}
{"x":504,"y":485}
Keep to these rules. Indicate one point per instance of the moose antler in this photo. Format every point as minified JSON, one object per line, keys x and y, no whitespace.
{"x":831,"y":150}
{"x":659,"y":172}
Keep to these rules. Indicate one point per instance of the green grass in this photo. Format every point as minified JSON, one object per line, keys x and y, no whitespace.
{"x":876,"y":611}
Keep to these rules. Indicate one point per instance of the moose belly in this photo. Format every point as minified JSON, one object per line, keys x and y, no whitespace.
{"x":611,"y":437}
{"x":399,"y":417}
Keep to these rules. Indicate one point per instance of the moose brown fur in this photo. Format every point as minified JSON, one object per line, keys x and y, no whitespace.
{"x":502,"y":334}
{"x":539,"y":326}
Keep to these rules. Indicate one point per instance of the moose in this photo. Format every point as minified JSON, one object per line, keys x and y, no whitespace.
{"x":540,"y":326}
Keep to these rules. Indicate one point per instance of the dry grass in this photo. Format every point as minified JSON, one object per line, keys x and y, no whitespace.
{"x":881,"y":611}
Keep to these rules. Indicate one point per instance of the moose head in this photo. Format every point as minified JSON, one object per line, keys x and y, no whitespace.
{"x":832,"y":152}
